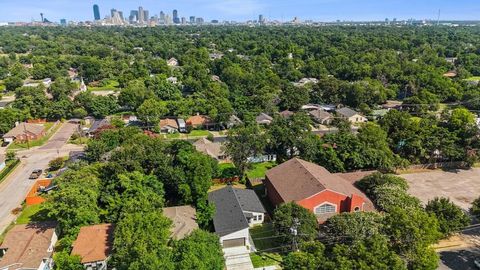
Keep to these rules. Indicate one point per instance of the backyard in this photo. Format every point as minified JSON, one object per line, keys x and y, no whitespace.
{"x":105,"y":86}
{"x":264,"y":239}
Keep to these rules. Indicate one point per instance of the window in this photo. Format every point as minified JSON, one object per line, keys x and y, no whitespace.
{"x":325,"y":209}
{"x":259,"y":218}
{"x":356,"y":209}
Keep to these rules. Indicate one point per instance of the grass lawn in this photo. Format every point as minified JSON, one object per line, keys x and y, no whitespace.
{"x":50,"y":132}
{"x":227,"y":170}
{"x":260,"y":236}
{"x":473,"y":78}
{"x":263,"y":259}
{"x":198,"y":133}
{"x":259,"y":169}
{"x":220,"y":186}
{"x":173,"y":136}
{"x":27,"y":214}
{"x":2,"y":87}
{"x":9,"y":168}
{"x":111,"y":85}
{"x":79,"y":140}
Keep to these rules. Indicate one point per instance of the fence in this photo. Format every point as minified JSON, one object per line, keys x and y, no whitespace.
{"x":32,"y":197}
{"x":439,"y":165}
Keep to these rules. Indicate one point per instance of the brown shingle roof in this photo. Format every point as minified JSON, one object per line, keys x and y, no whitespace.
{"x":209,"y":148}
{"x":198,"y":120}
{"x":297,"y":179}
{"x":168,"y":122}
{"x":94,"y":243}
{"x":27,"y":245}
{"x":184,"y":220}
{"x":22,"y":128}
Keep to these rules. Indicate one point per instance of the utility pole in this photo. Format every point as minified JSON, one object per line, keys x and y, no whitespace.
{"x":294,"y":232}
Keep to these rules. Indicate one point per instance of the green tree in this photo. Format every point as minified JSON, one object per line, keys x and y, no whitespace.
{"x":310,"y":256}
{"x":243,"y":143}
{"x":56,"y":164}
{"x":151,"y":111}
{"x":351,"y":227}
{"x":475,"y":210}
{"x":200,"y":250}
{"x":451,"y":218}
{"x":293,"y":98}
{"x":291,"y":215}
{"x":65,"y":261}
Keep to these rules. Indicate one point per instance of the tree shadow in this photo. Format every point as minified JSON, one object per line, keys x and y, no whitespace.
{"x":459,"y":259}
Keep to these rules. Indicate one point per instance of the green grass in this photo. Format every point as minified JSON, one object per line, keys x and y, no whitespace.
{"x":473,"y":78}
{"x":27,"y":214}
{"x":2,"y":87}
{"x":173,"y":136}
{"x":111,"y":85}
{"x":39,"y":142}
{"x":9,"y":168}
{"x":198,"y":133}
{"x":263,"y":259}
{"x":227,"y":170}
{"x":79,"y":140}
{"x":260,"y":236}
{"x":259,"y":169}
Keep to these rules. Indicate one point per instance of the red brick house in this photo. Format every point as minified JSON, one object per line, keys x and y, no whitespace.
{"x":25,"y":131}
{"x":315,"y":188}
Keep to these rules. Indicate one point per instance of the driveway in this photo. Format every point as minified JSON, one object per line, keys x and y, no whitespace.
{"x":15,"y":187}
{"x":461,"y":186}
{"x":237,"y":258}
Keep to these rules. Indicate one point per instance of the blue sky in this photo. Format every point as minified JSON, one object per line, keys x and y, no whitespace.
{"x":321,"y":10}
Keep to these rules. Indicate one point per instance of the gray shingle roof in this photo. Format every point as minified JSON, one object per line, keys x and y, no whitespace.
{"x":347,"y":112}
{"x":249,"y":201}
{"x":229,"y":205}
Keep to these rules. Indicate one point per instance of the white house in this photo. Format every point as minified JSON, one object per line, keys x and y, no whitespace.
{"x":172,"y":62}
{"x":351,"y":115}
{"x":236,"y":211}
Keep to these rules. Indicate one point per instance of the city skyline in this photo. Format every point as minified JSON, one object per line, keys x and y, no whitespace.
{"x":283,"y":10}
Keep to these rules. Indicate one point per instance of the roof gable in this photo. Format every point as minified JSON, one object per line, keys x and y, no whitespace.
{"x":94,"y":243}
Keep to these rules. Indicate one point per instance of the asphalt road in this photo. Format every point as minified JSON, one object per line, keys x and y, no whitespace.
{"x":15,"y":187}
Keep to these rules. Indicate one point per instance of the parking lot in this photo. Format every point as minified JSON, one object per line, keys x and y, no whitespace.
{"x":461,"y":186}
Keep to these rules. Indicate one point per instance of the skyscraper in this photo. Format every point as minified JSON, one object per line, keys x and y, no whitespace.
{"x":261,"y":19}
{"x":133,"y":16}
{"x":175,"y":16}
{"x":192,"y":19}
{"x":63,"y":22}
{"x":112,"y":12}
{"x":162,"y":18}
{"x":146,"y":16}
{"x":96,"y":12}
{"x":141,"y":15}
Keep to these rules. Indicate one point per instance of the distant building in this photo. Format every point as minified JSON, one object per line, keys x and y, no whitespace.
{"x":133,"y":16}
{"x":63,"y":22}
{"x":168,"y":125}
{"x":96,"y":12}
{"x":172,"y":62}
{"x":184,"y":20}
{"x":263,"y":119}
{"x":214,"y":150}
{"x":199,"y":20}
{"x":25,"y":132}
{"x":351,"y":115}
{"x":261,"y":19}
{"x":161,"y":19}
{"x":141,"y":15}
{"x":192,"y":19}
{"x":176,"y":19}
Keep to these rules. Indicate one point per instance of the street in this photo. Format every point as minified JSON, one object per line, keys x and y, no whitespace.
{"x":15,"y":187}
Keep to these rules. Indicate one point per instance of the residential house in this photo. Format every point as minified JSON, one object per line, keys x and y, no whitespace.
{"x":182,"y":126}
{"x":233,"y":121}
{"x":4,"y":104}
{"x":128,"y":118}
{"x":25,"y":132}
{"x":172,"y":80}
{"x":321,"y":117}
{"x":324,"y":107}
{"x":184,"y":220}
{"x":47,"y":82}
{"x":214,"y":150}
{"x":378,"y":114}
{"x":450,"y":74}
{"x":392,"y":104}
{"x":314,"y":188}
{"x":28,"y":246}
{"x":168,"y":125}
{"x":172,"y":62}
{"x":264,"y":119}
{"x":236,"y":211}
{"x":199,"y":121}
{"x":451,"y":60}
{"x":215,"y":56}
{"x":351,"y":115}
{"x":94,"y":245}
{"x":98,"y":126}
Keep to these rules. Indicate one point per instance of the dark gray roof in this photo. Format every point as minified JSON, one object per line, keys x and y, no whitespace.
{"x":248,"y":200}
{"x":230,"y":203}
{"x":98,"y":124}
{"x":229,"y":216}
{"x":347,"y":112}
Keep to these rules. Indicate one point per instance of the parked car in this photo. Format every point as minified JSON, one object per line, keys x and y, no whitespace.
{"x":35,"y":174}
